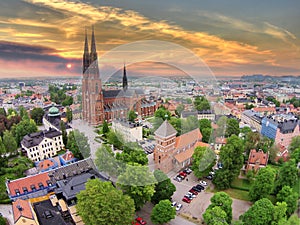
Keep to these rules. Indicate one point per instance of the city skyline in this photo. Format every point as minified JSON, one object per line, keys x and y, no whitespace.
{"x":45,"y":38}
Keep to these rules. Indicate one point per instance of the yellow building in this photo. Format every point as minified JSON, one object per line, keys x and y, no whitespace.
{"x":23,"y":213}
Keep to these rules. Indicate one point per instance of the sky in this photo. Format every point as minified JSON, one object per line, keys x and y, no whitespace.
{"x":230,"y":37}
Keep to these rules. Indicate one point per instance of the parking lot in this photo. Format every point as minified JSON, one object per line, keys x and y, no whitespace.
{"x":199,"y":204}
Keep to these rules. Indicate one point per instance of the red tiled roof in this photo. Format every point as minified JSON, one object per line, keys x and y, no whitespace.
{"x":264,"y":109}
{"x":188,"y":138}
{"x":221,"y":140}
{"x":181,"y":157}
{"x":259,"y":156}
{"x":21,"y":208}
{"x":68,"y":156}
{"x":27,"y":182}
{"x":45,"y":164}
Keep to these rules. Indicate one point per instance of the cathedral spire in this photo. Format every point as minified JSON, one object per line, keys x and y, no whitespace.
{"x":93,"y":56}
{"x":86,"y":57}
{"x":125,"y":83}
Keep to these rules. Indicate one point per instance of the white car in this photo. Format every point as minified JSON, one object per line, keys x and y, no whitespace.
{"x":178,"y":207}
{"x":203,"y":183}
{"x":173,"y":204}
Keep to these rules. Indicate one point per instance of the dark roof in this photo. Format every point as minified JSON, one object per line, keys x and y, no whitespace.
{"x":54,"y":217}
{"x":186,"y":114}
{"x":285,"y":126}
{"x":35,"y":139}
{"x":165,"y":130}
{"x":121,"y":93}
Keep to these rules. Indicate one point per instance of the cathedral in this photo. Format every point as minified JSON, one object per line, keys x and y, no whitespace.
{"x":99,"y":104}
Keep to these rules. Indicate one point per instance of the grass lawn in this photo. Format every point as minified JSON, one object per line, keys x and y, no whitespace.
{"x":241,"y":184}
{"x":238,"y":194}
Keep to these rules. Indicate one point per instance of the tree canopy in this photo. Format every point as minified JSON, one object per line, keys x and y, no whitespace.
{"x":163,"y":212}
{"x":201,"y":103}
{"x":286,"y":194}
{"x":222,"y":200}
{"x":138,"y":182}
{"x":101,"y":203}
{"x":215,"y":216}
{"x":164,"y":188}
{"x":78,"y":144}
{"x":203,"y":161}
{"x":231,"y":156}
{"x":232,"y":127}
{"x":132,"y":116}
{"x":263,"y":184}
{"x":260,"y":213}
{"x":37,"y":115}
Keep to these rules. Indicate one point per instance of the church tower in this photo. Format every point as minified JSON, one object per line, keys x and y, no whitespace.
{"x":165,"y":138}
{"x":92,"y":96}
{"x":125,"y":84}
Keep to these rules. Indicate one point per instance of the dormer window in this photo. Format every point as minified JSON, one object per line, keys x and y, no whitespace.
{"x":49,"y":183}
{"x":41,"y":185}
{"x":25,"y":190}
{"x":17,"y":191}
{"x":32,"y":187}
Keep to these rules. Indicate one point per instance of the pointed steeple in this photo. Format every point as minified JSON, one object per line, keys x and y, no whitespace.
{"x":93,"y":56}
{"x":86,"y":56}
{"x":125,"y":83}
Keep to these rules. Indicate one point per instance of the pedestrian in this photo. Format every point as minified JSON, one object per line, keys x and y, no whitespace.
{"x":187,"y":179}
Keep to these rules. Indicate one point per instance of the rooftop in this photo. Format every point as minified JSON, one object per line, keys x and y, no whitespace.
{"x":165,"y":130}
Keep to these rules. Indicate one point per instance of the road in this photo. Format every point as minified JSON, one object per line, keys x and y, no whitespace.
{"x":5,"y":209}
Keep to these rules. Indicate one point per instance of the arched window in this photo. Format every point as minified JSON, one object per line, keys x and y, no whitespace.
{"x":97,"y":88}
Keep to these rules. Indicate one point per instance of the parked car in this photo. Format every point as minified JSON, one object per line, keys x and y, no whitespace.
{"x":187,"y":171}
{"x":203,"y":183}
{"x":183,"y":174}
{"x":200,"y":186}
{"x":140,"y":220}
{"x":191,"y":194}
{"x":209,"y":177}
{"x":173,"y":204}
{"x":193,"y":191}
{"x":212,"y":173}
{"x":196,"y":189}
{"x":178,"y":178}
{"x":178,"y":207}
{"x":187,"y":200}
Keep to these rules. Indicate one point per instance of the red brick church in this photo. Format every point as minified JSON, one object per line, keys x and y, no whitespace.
{"x":99,"y":104}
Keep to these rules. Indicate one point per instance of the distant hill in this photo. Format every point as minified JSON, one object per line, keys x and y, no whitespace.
{"x":261,"y":77}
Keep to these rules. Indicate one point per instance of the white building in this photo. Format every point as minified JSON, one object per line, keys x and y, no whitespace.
{"x":42,"y":145}
{"x":131,"y":132}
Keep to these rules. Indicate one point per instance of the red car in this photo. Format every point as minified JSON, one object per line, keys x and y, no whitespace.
{"x":183,"y":174}
{"x":193,"y":191}
{"x":141,"y":221}
{"x":187,"y":200}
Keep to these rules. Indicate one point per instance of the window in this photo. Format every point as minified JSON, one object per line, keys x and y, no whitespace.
{"x":17,"y":191}
{"x":32,"y":187}
{"x":25,"y":190}
{"x":49,"y":183}
{"x":41,"y":185}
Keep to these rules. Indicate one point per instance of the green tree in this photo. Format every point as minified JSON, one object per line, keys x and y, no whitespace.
{"x":232,"y":127}
{"x":69,"y":114}
{"x":163,"y":212}
{"x":106,"y":161}
{"x":67,"y":101}
{"x":115,"y":138}
{"x":37,"y":115}
{"x":215,"y":216}
{"x":231,"y":156}
{"x":22,"y":111}
{"x":132,"y":152}
{"x":9,"y":142}
{"x":293,"y":220}
{"x":287,"y":175}
{"x":101,"y":203}
{"x":105,"y":128}
{"x":201,"y":103}
{"x":204,"y":123}
{"x":179,"y":109}
{"x":203,"y":161}
{"x":162,"y":113}
{"x":64,"y":132}
{"x":78,"y":144}
{"x":132,"y":116}
{"x":23,"y":128}
{"x":263,"y":184}
{"x":206,"y":134}
{"x":296,"y":155}
{"x":295,"y":143}
{"x":138,"y":183}
{"x":2,"y":147}
{"x":222,"y":200}
{"x":221,"y":130}
{"x":2,"y":111}
{"x":286,"y":194}
{"x":246,"y":130}
{"x":189,"y":124}
{"x":260,"y":213}
{"x":2,"y":221}
{"x":164,"y":188}
{"x":279,"y":217}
